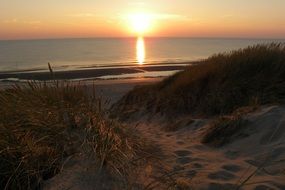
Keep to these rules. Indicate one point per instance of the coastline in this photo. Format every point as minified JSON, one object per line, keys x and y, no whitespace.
{"x":99,"y":73}
{"x":226,"y":150}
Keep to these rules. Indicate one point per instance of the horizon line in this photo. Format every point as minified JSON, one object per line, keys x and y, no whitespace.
{"x":134,"y":37}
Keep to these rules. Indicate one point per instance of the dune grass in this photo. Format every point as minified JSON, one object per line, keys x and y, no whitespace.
{"x":223,"y":130}
{"x":217,"y":85}
{"x":42,"y":124}
{"x":228,"y":128}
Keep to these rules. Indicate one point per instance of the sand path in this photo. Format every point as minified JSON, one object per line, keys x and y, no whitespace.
{"x":188,"y":164}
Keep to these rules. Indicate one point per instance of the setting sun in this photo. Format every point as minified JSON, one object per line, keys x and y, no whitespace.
{"x":140,"y":22}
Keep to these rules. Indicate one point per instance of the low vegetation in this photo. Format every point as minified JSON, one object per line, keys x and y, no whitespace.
{"x":228,"y":128}
{"x":217,"y":85}
{"x":42,"y":124}
{"x":224,"y":130}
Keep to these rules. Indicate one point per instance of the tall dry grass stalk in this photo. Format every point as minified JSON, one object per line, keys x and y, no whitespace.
{"x":39,"y":127}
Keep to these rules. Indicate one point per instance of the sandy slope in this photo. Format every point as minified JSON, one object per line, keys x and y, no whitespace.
{"x":187,"y":163}
{"x":198,"y":166}
{"x":79,"y":171}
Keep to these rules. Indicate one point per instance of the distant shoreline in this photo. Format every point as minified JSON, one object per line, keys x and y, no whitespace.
{"x":106,"y":72}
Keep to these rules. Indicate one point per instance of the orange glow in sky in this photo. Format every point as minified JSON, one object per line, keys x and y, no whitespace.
{"x":124,"y":18}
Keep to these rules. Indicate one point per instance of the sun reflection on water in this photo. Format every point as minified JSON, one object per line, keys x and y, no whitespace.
{"x":140,"y":51}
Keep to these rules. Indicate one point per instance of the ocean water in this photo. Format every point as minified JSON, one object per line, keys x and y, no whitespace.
{"x":73,"y":54}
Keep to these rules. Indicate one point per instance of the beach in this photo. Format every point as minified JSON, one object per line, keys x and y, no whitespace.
{"x":119,"y":72}
{"x":200,"y":127}
{"x":184,"y":158}
{"x":113,"y":90}
{"x":142,"y":95}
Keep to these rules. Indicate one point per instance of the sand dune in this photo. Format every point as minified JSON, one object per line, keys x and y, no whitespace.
{"x":254,"y":161}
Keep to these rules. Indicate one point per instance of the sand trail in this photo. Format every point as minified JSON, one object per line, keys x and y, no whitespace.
{"x":256,"y":160}
{"x":260,"y":156}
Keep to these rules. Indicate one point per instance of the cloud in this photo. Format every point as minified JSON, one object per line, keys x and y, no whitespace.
{"x":33,"y":22}
{"x":170,"y":17}
{"x":9,"y":21}
{"x":83,"y":15}
{"x":159,"y":16}
{"x":138,"y":3}
{"x":228,"y":16}
{"x":19,"y":21}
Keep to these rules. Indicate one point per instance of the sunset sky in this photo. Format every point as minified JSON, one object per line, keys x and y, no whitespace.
{"x":30,"y":19}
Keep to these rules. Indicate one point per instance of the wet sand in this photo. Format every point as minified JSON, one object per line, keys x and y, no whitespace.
{"x":89,"y":73}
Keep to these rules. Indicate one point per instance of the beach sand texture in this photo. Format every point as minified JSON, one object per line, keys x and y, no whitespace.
{"x":184,"y":160}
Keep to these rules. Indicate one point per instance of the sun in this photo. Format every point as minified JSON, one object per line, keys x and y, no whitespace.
{"x":140,"y":22}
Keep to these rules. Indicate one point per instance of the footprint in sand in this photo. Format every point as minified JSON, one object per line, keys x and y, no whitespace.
{"x":182,"y":153}
{"x":191,"y":173}
{"x":183,"y":160}
{"x":186,"y":160}
{"x":231,"y":168}
{"x":178,"y":168}
{"x":221,"y":175}
{"x":217,"y":186}
{"x":263,"y":187}
{"x":197,"y":165}
{"x":231,"y":154}
{"x":180,"y":142}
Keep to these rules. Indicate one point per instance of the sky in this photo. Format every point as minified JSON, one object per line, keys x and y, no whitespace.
{"x":32,"y":19}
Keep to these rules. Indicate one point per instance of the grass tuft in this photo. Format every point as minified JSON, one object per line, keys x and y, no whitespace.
{"x":224,"y":130}
{"x":42,"y":124}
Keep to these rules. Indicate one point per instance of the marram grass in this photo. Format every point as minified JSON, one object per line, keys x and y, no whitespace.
{"x":217,"y":85}
{"x":39,"y":127}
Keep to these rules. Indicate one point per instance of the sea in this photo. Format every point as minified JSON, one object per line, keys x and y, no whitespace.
{"x":76,"y":54}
